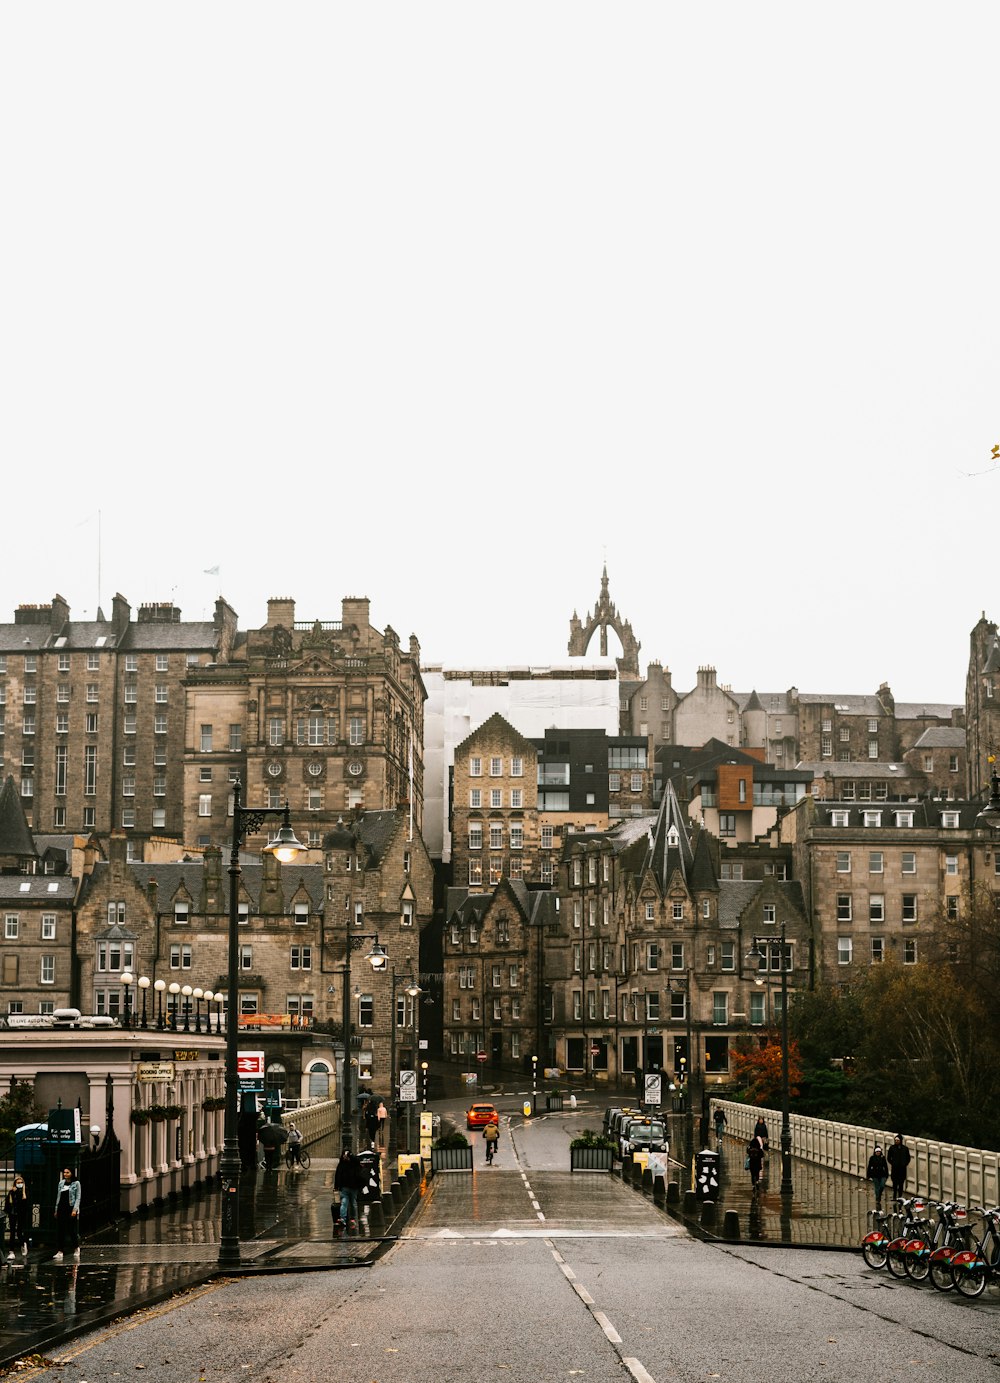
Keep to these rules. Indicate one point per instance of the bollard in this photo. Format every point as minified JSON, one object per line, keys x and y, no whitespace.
{"x":690,"y":1203}
{"x":388,"y":1206}
{"x":708,"y":1212}
{"x":628,"y":1166}
{"x":376,"y":1215}
{"x":673,"y":1193}
{"x":647,"y":1182}
{"x":659,"y":1189}
{"x":731,"y":1225}
{"x":399,"y":1195}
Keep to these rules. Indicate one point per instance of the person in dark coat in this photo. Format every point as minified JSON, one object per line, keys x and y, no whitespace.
{"x":67,"y":1213}
{"x":371,"y":1120}
{"x":760,"y":1131}
{"x":899,"y":1159}
{"x":347,"y":1180}
{"x":246,"y":1135}
{"x":755,"y":1160}
{"x":17,"y":1209}
{"x":878,"y":1174}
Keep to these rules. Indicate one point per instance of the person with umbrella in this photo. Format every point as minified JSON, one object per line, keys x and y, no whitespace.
{"x":271,"y":1137}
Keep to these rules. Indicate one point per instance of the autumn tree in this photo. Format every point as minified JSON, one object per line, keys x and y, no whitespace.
{"x":757,"y":1069}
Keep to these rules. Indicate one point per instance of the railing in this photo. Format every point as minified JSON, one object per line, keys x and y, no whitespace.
{"x":943,"y":1171}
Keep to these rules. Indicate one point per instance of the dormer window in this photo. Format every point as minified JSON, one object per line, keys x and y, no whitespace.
{"x":949,"y":820}
{"x":872,"y":818}
{"x":906,"y":818}
{"x":840,"y":818}
{"x":181,"y":913}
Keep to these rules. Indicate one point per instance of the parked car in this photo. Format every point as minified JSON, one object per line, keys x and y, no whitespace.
{"x":480,"y":1114}
{"x":646,"y":1135}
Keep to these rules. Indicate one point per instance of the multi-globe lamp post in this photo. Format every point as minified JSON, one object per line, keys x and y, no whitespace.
{"x":757,"y":956}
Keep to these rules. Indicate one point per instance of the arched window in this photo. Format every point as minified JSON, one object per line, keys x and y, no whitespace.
{"x":319,"y":1081}
{"x":275,"y":1078}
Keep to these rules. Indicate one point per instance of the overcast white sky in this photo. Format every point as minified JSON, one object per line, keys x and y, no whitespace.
{"x":446,"y":303}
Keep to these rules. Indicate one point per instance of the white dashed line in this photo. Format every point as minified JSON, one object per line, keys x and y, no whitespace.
{"x":568,"y":1272}
{"x":607,"y":1327}
{"x":640,"y":1374}
{"x":586,"y":1298}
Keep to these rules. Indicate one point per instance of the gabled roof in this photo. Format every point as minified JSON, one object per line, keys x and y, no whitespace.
{"x":15,"y":835}
{"x":494,"y":725}
{"x":670,"y":845}
{"x":918,"y":710}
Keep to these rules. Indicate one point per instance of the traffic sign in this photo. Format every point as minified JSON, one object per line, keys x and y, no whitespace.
{"x":408,"y":1086}
{"x":481,"y":1056}
{"x":595,"y":1050}
{"x":651,"y":1089}
{"x":250,"y":1071}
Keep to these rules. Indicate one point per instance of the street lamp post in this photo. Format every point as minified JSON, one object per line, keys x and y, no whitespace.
{"x":159,"y":986}
{"x":173,"y":989}
{"x":534,"y":1085}
{"x":285,"y":848}
{"x":128,"y":979}
{"x":412,"y":990}
{"x":143,"y":983}
{"x":755,"y":954}
{"x":186,"y":992}
{"x":378,"y":959}
{"x":423,"y":1070}
{"x":197,"y":994}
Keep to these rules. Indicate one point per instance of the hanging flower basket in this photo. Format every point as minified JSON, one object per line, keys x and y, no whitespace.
{"x":139,"y":1116}
{"x":157,"y":1113}
{"x":173,"y":1111}
{"x":211,"y":1102}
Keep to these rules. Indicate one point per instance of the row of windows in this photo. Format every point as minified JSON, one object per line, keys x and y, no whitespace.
{"x":477,"y":800}
{"x":901,"y":819}
{"x":877,"y":911}
{"x":495,"y":870}
{"x":309,"y":730}
{"x":516,"y":834}
{"x":11,"y":970}
{"x":475,"y":1012}
{"x":845,"y":950}
{"x":12,"y":926}
{"x":576,"y":870}
{"x":467,"y":976}
{"x":470,"y":1043}
{"x":495,"y":766}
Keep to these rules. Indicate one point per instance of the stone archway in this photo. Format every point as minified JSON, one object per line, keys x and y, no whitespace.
{"x":604,"y":617}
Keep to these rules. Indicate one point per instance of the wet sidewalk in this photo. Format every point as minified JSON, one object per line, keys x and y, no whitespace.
{"x":827,"y":1208}
{"x":285,"y":1224}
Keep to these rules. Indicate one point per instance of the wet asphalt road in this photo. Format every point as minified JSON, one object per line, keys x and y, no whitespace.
{"x":527,"y":1272}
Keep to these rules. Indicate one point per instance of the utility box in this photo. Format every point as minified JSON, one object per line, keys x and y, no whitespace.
{"x":706,"y":1175}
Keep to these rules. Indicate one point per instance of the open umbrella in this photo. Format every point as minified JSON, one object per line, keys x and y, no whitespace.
{"x":272,"y":1135}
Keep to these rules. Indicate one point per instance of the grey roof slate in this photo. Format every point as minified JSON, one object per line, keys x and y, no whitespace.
{"x":941,"y":737}
{"x":861,"y":768}
{"x":188,"y":876}
{"x":41,"y":888}
{"x":734,"y":896}
{"x":851,"y":703}
{"x":163,"y":635}
{"x":916,"y":710}
{"x":15,"y":835}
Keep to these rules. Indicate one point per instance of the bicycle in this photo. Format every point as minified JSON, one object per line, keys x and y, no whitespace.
{"x":973,"y":1268}
{"x":915,"y":1226}
{"x":297,"y":1157}
{"x":949,"y":1237}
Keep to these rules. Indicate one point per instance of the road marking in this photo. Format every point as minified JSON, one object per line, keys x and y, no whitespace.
{"x":607,"y":1327}
{"x":534,"y":1204}
{"x":585,"y":1297}
{"x":637,"y":1371}
{"x":567,"y":1271}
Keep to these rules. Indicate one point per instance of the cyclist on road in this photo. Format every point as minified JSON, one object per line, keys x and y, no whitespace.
{"x":491,"y":1133}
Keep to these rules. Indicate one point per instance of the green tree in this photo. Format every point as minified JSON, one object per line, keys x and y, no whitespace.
{"x":18,"y":1107}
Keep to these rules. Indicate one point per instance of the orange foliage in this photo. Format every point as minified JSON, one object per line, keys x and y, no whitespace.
{"x":759,"y":1071}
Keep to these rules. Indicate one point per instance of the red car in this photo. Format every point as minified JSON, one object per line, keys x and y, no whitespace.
{"x":479,"y":1115}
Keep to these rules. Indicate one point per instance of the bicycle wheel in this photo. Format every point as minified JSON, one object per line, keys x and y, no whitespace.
{"x":894,"y":1262}
{"x":942,"y":1276}
{"x":305,"y":1159}
{"x":917,"y":1266}
{"x":874,"y":1255}
{"x":971,"y":1282}
{"x":289,"y":1160}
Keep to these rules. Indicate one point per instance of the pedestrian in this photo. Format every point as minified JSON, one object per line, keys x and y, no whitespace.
{"x":899,"y":1159}
{"x":371,"y":1120}
{"x":67,"y":1213}
{"x":491,"y":1133}
{"x":760,"y":1131}
{"x":878,"y":1174}
{"x":755,"y":1160}
{"x":347,"y":1180}
{"x":382,"y":1114}
{"x":246,"y":1134}
{"x":720,"y":1122}
{"x":17,"y":1209}
{"x":295,"y":1143}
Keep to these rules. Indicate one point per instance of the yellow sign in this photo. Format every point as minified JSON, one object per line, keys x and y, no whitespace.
{"x":155,"y":1070}
{"x":186,"y":1056}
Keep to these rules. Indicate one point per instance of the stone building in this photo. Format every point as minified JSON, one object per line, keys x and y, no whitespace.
{"x":982,"y":704}
{"x":143,"y":725}
{"x":494,"y":962}
{"x":494,"y":815}
{"x":939,"y":755}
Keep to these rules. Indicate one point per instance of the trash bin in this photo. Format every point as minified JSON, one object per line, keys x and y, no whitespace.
{"x":553,"y":1100}
{"x":706,"y":1175}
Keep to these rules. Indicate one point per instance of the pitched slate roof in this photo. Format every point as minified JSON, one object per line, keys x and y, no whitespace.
{"x":941,"y":737}
{"x":164,"y":635}
{"x":916,"y":710}
{"x":189,"y":875}
{"x":670,"y":844}
{"x":37,"y":888}
{"x":851,"y":703}
{"x":15,"y":835}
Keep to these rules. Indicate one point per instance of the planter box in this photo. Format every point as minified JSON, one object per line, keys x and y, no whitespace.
{"x":451,"y":1159}
{"x":590,"y":1159}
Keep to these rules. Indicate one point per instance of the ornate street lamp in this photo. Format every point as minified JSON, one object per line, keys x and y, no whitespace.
{"x":756,"y":956}
{"x":186,"y":992}
{"x":128,"y":979}
{"x":143,"y":983}
{"x":378,"y":958}
{"x":412,"y":989}
{"x":989,"y":817}
{"x":197,"y":994}
{"x":173,"y":989}
{"x":159,"y":986}
{"x":285,"y":847}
